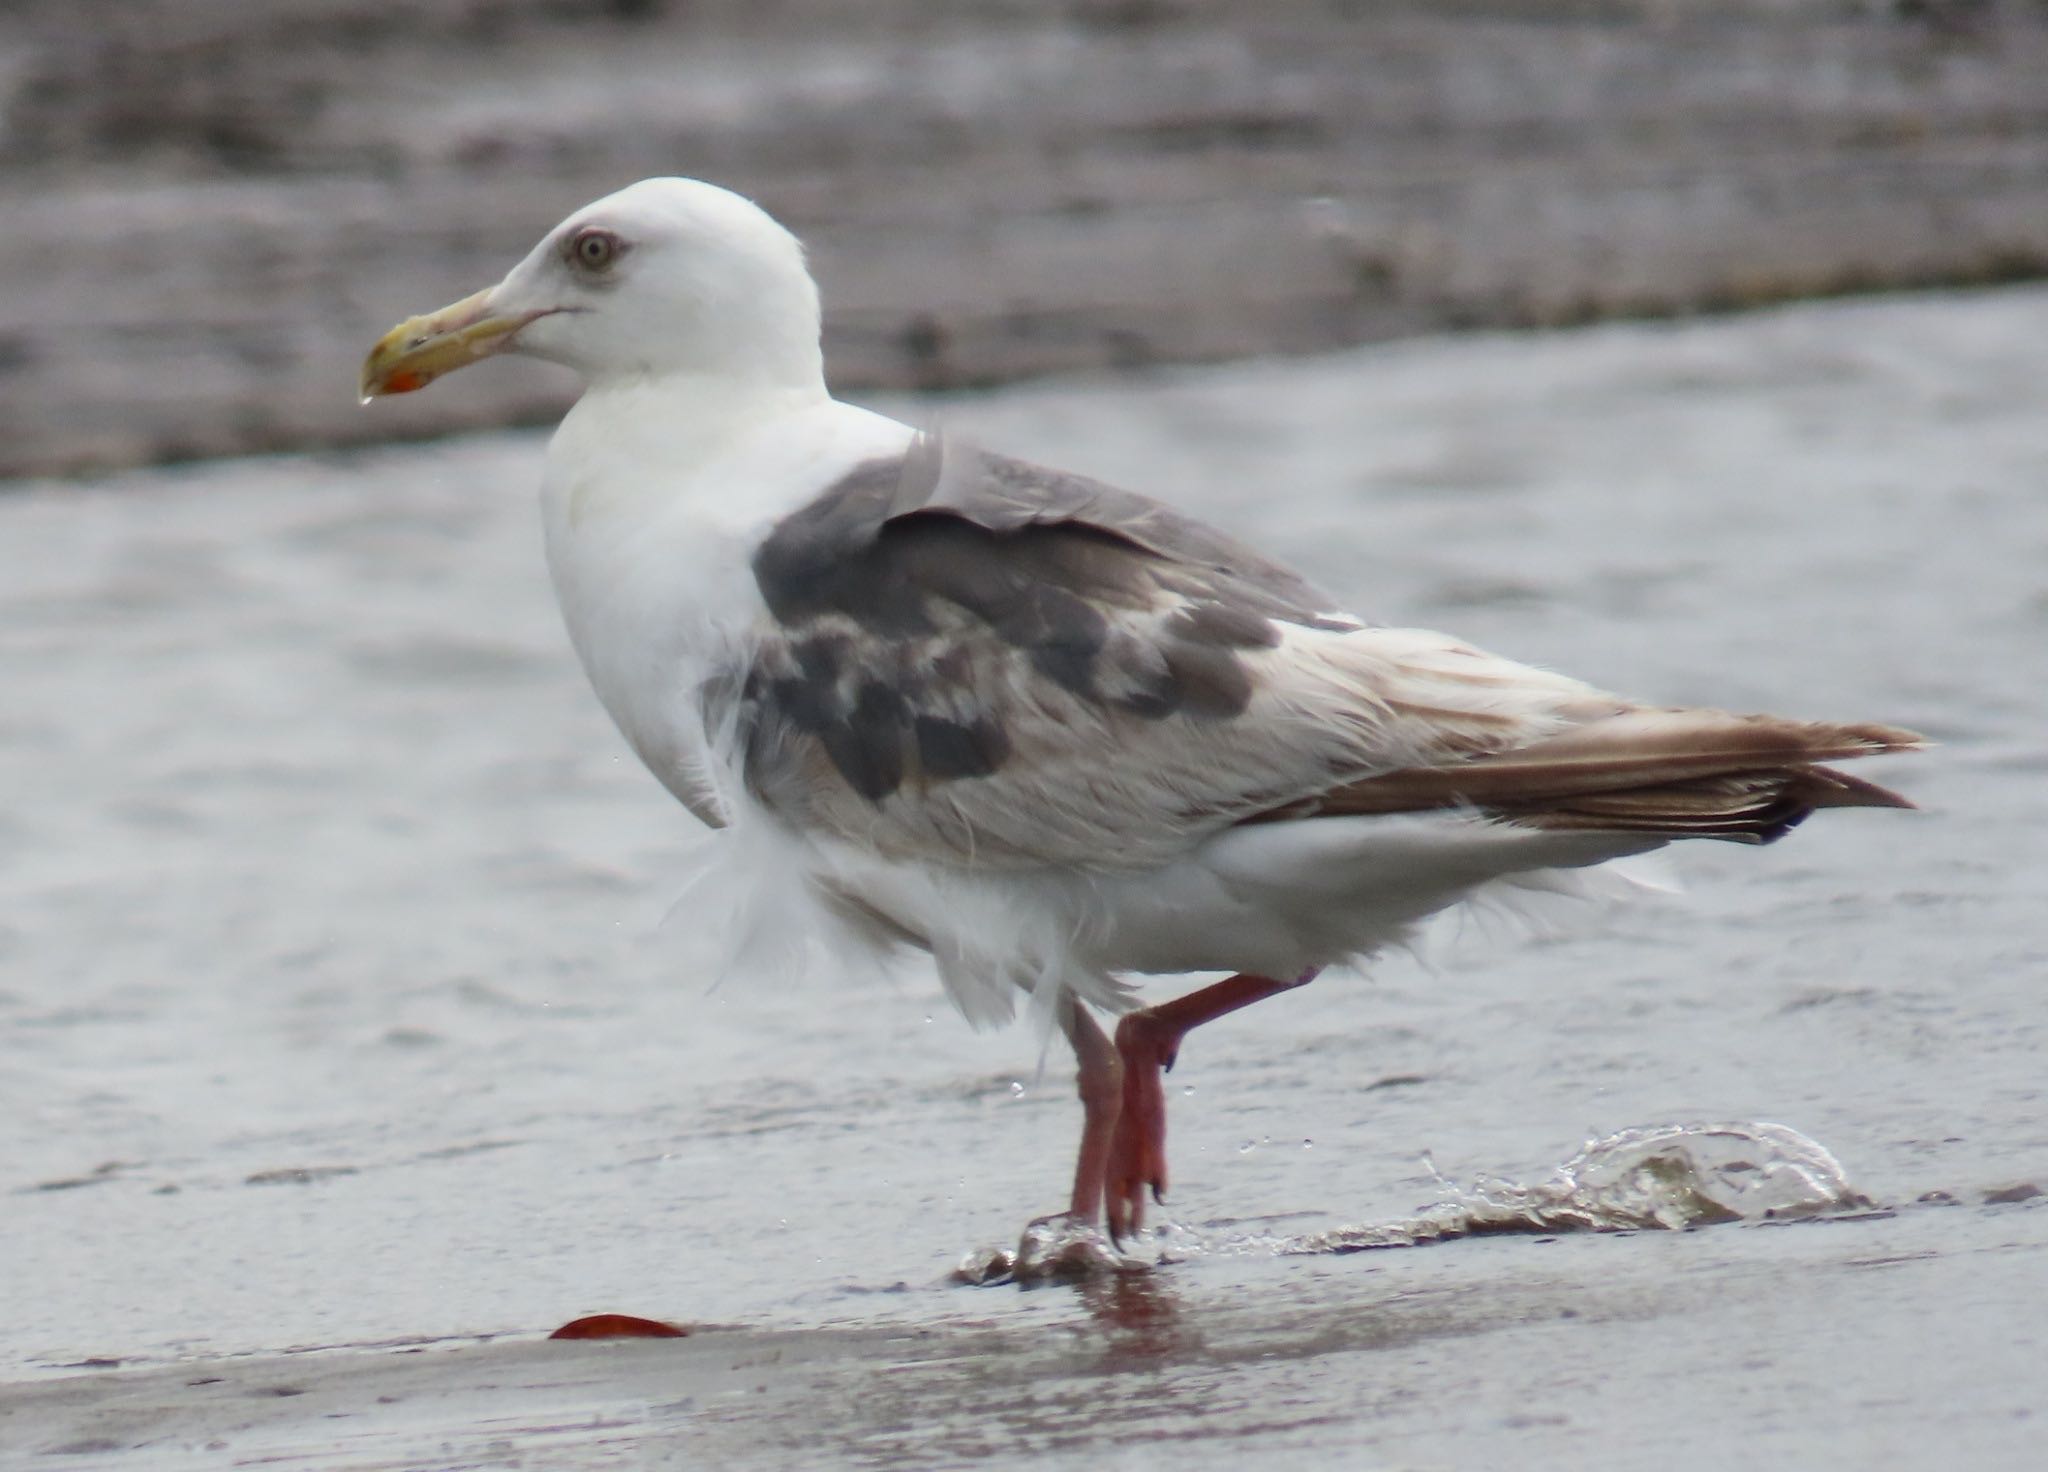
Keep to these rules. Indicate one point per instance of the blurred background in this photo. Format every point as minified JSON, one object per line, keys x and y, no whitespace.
{"x":209,"y":208}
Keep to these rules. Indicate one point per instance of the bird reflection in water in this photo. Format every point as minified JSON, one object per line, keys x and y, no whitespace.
{"x":1141,"y":1317}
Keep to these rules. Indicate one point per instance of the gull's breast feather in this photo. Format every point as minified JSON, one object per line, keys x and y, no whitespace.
{"x":649,"y":525}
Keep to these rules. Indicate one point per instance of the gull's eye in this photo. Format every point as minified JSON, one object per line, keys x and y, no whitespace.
{"x":594,"y":250}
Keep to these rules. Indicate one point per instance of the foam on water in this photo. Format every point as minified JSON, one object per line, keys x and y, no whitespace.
{"x":1667,"y":1177}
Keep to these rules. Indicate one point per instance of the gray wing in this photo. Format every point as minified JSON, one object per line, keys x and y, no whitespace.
{"x":972,"y":659}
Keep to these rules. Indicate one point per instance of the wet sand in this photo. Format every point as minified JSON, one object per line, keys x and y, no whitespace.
{"x":1810,"y":1344}
{"x":348,"y":1050}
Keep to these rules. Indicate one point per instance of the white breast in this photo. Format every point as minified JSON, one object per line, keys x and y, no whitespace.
{"x":655,"y":497}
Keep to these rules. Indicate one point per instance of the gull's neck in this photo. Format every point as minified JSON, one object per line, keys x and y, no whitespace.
{"x":641,"y":438}
{"x":692,"y":413}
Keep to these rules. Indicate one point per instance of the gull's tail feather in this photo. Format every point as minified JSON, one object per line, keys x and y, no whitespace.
{"x":1677,"y":773}
{"x":1742,"y":807}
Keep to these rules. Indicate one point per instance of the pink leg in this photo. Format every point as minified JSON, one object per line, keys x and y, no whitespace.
{"x":1101,"y":1084}
{"x":1147,"y":1042}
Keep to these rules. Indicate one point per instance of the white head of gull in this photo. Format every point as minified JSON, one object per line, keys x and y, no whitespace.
{"x":1055,"y":734}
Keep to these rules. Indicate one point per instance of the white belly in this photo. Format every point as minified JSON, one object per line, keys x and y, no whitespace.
{"x":1274,"y":900}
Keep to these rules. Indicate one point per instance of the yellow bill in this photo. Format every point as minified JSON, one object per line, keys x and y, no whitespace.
{"x":420,"y":349}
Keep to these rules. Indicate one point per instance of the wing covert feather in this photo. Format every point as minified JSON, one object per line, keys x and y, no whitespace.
{"x":970,"y":659}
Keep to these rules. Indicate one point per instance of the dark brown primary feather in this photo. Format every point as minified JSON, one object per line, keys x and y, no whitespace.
{"x":1683,"y":773}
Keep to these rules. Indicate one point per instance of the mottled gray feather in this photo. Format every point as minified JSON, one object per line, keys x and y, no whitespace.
{"x":972,"y":660}
{"x":927,"y":606}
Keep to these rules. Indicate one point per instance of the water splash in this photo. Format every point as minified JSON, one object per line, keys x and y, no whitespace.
{"x":1053,"y":1249}
{"x":1656,"y":1177}
{"x":1666,"y":1177}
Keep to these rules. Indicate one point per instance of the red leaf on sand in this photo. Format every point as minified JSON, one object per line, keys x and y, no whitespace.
{"x":618,"y":1326}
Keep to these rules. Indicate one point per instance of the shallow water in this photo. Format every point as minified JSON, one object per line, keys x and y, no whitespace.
{"x":1666,"y":1178}
{"x":337,"y":1005}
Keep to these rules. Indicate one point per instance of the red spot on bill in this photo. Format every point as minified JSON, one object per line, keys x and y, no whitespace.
{"x":405,"y":383}
{"x":618,"y":1326}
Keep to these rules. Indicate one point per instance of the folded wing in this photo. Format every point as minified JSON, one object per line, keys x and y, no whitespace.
{"x":968,"y":659}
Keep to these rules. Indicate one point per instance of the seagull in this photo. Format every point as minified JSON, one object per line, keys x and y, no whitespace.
{"x":1056,"y":735}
